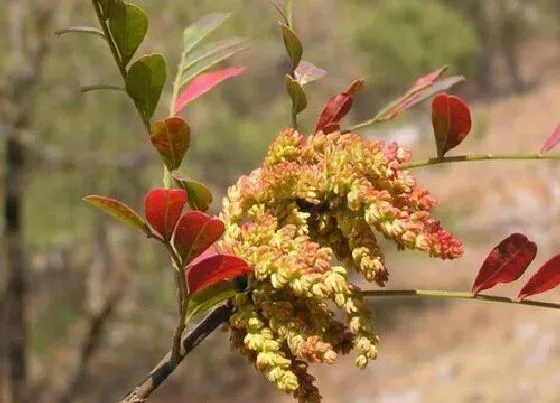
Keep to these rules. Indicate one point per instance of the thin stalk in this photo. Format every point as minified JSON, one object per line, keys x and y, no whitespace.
{"x":280,"y":11}
{"x":294,"y":121}
{"x":176,"y":86}
{"x":478,"y":157}
{"x":455,"y":295}
{"x":117,"y":57}
{"x":289,"y":13}
{"x":167,"y":177}
{"x":109,"y":39}
{"x":183,"y":300}
{"x":363,"y":124}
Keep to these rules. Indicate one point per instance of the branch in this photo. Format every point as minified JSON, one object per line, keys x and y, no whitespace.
{"x":478,"y":157}
{"x":455,"y":295}
{"x":166,"y":367}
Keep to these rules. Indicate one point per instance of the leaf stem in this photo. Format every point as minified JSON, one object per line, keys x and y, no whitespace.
{"x":455,"y":295}
{"x":176,"y":86}
{"x":98,"y":87}
{"x":81,"y":30}
{"x":109,"y":39}
{"x":289,"y":13}
{"x":370,"y":122}
{"x":478,"y":157}
{"x":183,"y":301}
{"x":117,"y":57}
{"x":294,"y":120}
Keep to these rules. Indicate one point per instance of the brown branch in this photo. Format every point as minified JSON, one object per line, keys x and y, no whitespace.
{"x":166,"y":367}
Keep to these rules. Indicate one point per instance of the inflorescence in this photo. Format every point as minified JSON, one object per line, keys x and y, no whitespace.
{"x":304,"y":220}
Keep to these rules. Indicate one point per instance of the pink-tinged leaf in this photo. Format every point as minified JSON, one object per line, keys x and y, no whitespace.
{"x":204,"y":83}
{"x":551,"y":141}
{"x":422,"y":89}
{"x":307,"y":72}
{"x":337,"y":108}
{"x":451,"y":119}
{"x":163,"y":208}
{"x":171,"y":138}
{"x":195,"y":232}
{"x":546,"y":278}
{"x":428,"y":80}
{"x":118,"y":210}
{"x":213,"y":270}
{"x":506,"y":262}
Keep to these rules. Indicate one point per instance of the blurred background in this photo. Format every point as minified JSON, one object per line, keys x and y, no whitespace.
{"x":98,"y":308}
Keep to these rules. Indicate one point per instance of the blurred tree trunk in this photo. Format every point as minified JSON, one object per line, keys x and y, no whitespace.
{"x":13,"y":245}
{"x":478,"y":12}
{"x":15,"y":264}
{"x":512,"y":25}
{"x":26,"y":61}
{"x":500,"y":26}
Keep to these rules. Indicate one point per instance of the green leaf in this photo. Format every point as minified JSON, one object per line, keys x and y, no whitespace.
{"x":106,"y":6}
{"x":128,"y":24}
{"x":97,"y":87}
{"x":200,"y":197}
{"x":202,"y":301}
{"x":295,"y":91}
{"x":81,"y":30}
{"x":118,"y":210}
{"x":225,"y":49}
{"x":145,"y":81}
{"x":213,"y":51}
{"x":196,"y":32}
{"x":293,"y":46}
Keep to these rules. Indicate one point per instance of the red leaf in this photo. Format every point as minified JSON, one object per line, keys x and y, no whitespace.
{"x":163,"y":208}
{"x":210,"y":271}
{"x":551,"y":141}
{"x":546,"y":278}
{"x":211,"y":251}
{"x":171,"y":138}
{"x":337,"y":108}
{"x":451,"y":119}
{"x":204,"y":83}
{"x":119,"y":210}
{"x":506,"y":262}
{"x":195,"y":232}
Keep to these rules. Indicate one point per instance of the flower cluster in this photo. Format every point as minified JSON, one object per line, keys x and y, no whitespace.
{"x":316,"y":201}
